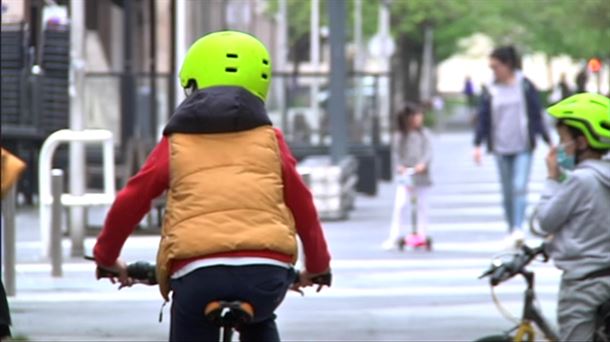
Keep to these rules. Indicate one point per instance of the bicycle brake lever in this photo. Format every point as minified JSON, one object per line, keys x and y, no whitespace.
{"x":101,"y":271}
{"x":486,"y":273}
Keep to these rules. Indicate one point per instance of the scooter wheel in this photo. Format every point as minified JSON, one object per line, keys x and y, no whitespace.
{"x":401,"y":244}
{"x":428,"y":244}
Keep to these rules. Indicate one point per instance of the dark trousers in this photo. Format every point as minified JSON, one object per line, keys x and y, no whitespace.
{"x":5,"y":315}
{"x":263,"y":286}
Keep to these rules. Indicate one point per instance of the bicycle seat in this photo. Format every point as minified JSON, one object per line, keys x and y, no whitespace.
{"x":225,"y":313}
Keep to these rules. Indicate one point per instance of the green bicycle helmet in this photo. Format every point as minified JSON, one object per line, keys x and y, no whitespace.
{"x":227,"y":58}
{"x":589,"y":113}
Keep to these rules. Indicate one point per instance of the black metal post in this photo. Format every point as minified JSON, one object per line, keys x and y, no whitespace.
{"x":128,"y":105}
{"x":172,"y":77}
{"x":153,"y":69}
{"x":338,"y":118}
{"x":375,"y":125}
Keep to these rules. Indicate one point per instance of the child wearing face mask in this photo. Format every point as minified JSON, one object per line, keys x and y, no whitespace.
{"x":574,"y":212}
{"x":412,"y":154}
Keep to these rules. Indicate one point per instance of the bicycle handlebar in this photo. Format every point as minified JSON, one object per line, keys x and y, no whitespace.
{"x":322,"y":279}
{"x":145,"y":273}
{"x":507,"y":270}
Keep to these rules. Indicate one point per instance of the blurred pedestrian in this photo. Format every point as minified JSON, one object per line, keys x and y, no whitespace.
{"x":412,"y":152}
{"x":469,"y":93}
{"x":581,"y":81}
{"x":560,"y":91}
{"x":509,"y":119}
{"x":563,"y":86}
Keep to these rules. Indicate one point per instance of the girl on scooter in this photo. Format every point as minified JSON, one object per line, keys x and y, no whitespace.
{"x":412,"y":154}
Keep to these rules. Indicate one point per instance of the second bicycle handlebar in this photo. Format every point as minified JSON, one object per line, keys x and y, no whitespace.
{"x":506,"y":270}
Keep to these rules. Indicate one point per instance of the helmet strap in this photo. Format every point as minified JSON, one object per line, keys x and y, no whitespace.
{"x":579,"y":153}
{"x":191,"y":88}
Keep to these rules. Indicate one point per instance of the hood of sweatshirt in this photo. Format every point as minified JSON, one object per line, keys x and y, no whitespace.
{"x":600,"y":168}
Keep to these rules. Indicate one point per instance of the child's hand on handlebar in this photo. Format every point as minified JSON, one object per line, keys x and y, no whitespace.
{"x":119,"y":269}
{"x":307,"y":279}
{"x":421,"y":168}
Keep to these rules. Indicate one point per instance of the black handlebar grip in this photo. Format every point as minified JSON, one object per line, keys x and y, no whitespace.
{"x":103,"y":272}
{"x":508,"y":269}
{"x":142,"y":271}
{"x":499,"y":275}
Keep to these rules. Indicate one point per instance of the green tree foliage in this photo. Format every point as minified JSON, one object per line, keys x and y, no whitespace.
{"x":577,"y":28}
{"x":299,"y":14}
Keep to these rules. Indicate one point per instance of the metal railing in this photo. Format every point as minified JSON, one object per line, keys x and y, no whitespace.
{"x":87,"y":199}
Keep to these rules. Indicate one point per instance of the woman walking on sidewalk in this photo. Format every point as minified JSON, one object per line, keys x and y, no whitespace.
{"x":509,"y":119}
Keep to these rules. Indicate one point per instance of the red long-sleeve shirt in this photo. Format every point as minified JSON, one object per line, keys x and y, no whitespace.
{"x":134,"y":201}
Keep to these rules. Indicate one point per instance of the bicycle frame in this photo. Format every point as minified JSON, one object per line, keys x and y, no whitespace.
{"x":531,"y":314}
{"x":227,"y":333}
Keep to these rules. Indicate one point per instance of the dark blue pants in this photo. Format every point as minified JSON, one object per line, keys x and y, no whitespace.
{"x":263,"y":286}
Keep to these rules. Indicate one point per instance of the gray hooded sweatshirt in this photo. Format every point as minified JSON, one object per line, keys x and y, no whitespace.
{"x":576,"y":213}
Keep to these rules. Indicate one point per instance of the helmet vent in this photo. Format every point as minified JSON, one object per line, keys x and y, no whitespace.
{"x":232,"y":55}
{"x":605,"y":124}
{"x":598,"y":103}
{"x":266,"y":62}
{"x":264,"y":76}
{"x":230,"y":69}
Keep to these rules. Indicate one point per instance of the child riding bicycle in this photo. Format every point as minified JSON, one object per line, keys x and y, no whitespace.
{"x":575,"y":211}
{"x":235,"y":202}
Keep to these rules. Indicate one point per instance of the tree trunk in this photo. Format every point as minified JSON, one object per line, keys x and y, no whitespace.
{"x":409,"y":68}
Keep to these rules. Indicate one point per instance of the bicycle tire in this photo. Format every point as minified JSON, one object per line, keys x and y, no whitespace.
{"x":496,"y":338}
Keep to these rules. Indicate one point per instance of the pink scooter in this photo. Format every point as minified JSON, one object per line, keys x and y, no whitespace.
{"x":415,"y":240}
